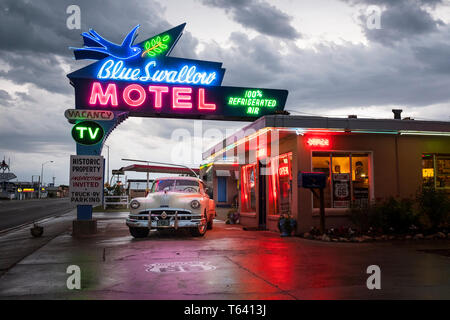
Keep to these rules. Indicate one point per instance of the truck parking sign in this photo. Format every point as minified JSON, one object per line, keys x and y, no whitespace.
{"x":86,"y":180}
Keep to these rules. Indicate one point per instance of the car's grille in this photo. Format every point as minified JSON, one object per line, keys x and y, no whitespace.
{"x":182,"y":215}
{"x":170,"y":215}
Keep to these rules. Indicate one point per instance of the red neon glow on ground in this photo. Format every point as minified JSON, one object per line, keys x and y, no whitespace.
{"x":158,"y":91}
{"x":179,"y":94}
{"x":103,"y":98}
{"x":127,"y":95}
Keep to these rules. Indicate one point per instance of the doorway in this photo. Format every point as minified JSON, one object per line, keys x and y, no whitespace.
{"x":261,"y":196}
{"x":222,"y":189}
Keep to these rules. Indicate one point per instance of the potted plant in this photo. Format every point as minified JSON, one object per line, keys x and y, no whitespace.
{"x":286,"y":224}
{"x":232,"y":217}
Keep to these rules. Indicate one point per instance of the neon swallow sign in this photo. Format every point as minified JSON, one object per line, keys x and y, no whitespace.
{"x":96,"y":46}
{"x":143,"y":80}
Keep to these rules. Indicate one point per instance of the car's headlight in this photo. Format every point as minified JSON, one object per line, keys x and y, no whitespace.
{"x":134,"y":204}
{"x":195,"y":204}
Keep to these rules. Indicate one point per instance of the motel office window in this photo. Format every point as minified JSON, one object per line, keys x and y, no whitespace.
{"x":347,"y":178}
{"x":436,"y":170}
{"x":280,"y":184}
{"x":248,"y":195}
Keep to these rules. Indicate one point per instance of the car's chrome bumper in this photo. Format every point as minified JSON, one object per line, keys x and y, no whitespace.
{"x":145,"y":224}
{"x":178,"y":218}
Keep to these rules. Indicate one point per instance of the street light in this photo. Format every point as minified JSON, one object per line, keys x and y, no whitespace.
{"x":163,"y":163}
{"x":41,"y":178}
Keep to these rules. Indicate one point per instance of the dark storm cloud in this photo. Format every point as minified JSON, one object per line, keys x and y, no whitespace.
{"x":337,"y":76}
{"x":258,"y":15}
{"x":34,"y":34}
{"x":41,"y":69}
{"x":400,"y":20}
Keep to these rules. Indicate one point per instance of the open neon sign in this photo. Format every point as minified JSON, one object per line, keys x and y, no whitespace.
{"x":318,"y":142}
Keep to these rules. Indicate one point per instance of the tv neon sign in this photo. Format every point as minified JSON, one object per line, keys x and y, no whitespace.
{"x":87,"y":132}
{"x":318,"y":142}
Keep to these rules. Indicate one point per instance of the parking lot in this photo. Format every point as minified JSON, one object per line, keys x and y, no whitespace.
{"x":228,"y":263}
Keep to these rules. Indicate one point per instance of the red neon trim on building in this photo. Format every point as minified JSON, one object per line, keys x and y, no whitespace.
{"x":158,"y":91}
{"x":318,"y":142}
{"x":103,"y":98}
{"x":201,"y":101}
{"x":181,"y":93}
{"x":127,"y":95}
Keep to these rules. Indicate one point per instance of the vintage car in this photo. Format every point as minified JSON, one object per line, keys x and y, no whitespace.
{"x":173,"y":202}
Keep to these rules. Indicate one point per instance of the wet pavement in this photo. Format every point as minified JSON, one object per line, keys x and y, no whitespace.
{"x":228,"y":263}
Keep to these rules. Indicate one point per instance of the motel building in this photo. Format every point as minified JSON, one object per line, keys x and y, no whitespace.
{"x":364,"y":160}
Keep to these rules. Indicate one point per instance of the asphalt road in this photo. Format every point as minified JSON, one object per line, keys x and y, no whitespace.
{"x":227,"y":263}
{"x":14,"y":212}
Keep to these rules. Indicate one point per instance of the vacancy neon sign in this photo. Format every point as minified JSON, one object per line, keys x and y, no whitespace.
{"x":135,"y":95}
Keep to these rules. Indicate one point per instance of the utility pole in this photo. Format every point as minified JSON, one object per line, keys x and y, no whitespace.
{"x":41,"y":178}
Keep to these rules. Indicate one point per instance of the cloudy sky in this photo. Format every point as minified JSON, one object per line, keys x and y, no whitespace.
{"x":329,"y":54}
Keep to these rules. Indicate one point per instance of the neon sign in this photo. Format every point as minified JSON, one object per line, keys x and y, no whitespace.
{"x":99,"y":115}
{"x":254,"y":100}
{"x":96,"y":46}
{"x":283,"y":170}
{"x":318,"y":142}
{"x":135,"y":95}
{"x":87,"y":132}
{"x":156,"y":45}
{"x":115,"y":70}
{"x":153,"y":84}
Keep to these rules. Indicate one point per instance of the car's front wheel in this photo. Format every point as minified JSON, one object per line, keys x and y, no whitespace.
{"x":200,"y":230}
{"x":139,"y":232}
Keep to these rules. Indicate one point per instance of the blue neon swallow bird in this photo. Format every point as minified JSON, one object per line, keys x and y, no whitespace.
{"x":97,"y":48}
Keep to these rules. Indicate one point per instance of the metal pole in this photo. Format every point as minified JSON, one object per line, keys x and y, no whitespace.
{"x":107,"y":170}
{"x":40,"y":180}
{"x":148,"y":182}
{"x":322,"y":211}
{"x":108,"y":163}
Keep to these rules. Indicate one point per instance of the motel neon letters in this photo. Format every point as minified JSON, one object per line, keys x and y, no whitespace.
{"x":135,"y":95}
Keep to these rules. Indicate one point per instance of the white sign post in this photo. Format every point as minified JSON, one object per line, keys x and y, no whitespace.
{"x":86,"y":180}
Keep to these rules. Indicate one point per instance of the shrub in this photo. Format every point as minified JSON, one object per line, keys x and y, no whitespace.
{"x":434,"y":207}
{"x":384,"y":216}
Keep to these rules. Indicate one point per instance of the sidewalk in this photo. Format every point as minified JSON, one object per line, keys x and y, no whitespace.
{"x":228,"y":263}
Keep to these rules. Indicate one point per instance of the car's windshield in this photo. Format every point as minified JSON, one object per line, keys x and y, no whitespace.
{"x":177,"y":185}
